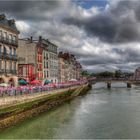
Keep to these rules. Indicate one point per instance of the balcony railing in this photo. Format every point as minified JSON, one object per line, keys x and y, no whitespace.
{"x":8,"y":41}
{"x":8,"y":56}
{"x":7,"y":71}
{"x":13,"y":57}
{"x":13,"y":71}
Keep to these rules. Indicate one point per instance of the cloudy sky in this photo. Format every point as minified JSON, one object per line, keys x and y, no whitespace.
{"x":103,"y":34}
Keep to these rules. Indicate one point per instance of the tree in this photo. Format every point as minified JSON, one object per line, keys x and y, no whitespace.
{"x":118,"y":73}
{"x":85,"y":73}
{"x":105,"y":74}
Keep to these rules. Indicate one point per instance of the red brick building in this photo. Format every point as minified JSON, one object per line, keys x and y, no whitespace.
{"x":39,"y":62}
{"x":26,"y":71}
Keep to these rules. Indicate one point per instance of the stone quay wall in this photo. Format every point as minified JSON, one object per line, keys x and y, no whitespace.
{"x":17,"y":112}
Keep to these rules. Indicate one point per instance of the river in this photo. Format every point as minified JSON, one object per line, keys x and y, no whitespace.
{"x":102,"y":113}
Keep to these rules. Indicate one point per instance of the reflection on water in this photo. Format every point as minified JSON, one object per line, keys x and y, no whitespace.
{"x":104,"y":113}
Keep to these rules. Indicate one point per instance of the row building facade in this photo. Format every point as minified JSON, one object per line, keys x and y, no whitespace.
{"x":38,"y":60}
{"x":69,"y":67}
{"x":32,"y":59}
{"x":8,"y":51}
{"x":136,"y":75}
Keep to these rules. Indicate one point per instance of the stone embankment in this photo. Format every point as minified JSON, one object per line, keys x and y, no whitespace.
{"x":16,"y":109}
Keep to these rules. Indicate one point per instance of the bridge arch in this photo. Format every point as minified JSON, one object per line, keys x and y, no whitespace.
{"x":109,"y":81}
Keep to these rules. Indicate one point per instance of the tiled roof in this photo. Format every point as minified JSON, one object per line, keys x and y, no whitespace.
{"x":8,"y":23}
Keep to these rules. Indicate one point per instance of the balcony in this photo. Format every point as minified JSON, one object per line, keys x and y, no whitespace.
{"x":8,"y":41}
{"x":13,"y":72}
{"x":2,"y":71}
{"x":14,"y":57}
{"x":4,"y":55}
{"x":8,"y":56}
{"x":7,"y":71}
{"x":14,"y":43}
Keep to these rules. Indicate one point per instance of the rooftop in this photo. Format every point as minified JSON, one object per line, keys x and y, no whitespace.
{"x":8,"y":23}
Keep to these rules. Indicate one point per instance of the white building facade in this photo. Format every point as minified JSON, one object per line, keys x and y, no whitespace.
{"x":8,"y":51}
{"x":50,"y":61}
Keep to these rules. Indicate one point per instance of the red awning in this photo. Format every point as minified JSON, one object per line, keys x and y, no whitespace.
{"x":35,"y":82}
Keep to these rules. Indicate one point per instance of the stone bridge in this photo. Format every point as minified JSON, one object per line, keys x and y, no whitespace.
{"x":108,"y":81}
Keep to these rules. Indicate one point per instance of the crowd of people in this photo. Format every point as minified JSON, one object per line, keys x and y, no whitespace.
{"x":31,"y":89}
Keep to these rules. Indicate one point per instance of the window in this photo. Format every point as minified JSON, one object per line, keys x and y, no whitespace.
{"x":44,"y":65}
{"x":5,"y":51}
{"x":47,"y":64}
{"x":40,"y":58}
{"x":40,"y":67}
{"x":47,"y":74}
{"x":44,"y":74}
{"x":10,"y":51}
{"x":5,"y":65}
{"x":14,"y":51}
{"x":10,"y":65}
{"x":10,"y":38}
{"x":14,"y":39}
{"x":0,"y":33}
{"x":5,"y":35}
{"x":0,"y":64}
{"x":14,"y":65}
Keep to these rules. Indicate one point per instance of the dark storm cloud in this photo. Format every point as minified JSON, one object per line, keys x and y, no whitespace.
{"x":95,"y":60}
{"x":116,"y":24}
{"x":101,"y":40}
{"x":29,"y":10}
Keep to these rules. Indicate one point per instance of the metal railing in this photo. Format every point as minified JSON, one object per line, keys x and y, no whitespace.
{"x":8,"y":71}
{"x":8,"y":41}
{"x":109,"y":79}
{"x":8,"y":56}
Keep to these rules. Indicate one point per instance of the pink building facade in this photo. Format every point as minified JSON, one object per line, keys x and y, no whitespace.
{"x":137,"y":74}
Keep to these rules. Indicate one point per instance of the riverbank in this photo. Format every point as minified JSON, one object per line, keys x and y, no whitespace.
{"x":27,"y":106}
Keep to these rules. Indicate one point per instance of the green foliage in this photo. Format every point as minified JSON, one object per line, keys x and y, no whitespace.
{"x":85,"y":73}
{"x":116,"y":74}
{"x":105,"y":74}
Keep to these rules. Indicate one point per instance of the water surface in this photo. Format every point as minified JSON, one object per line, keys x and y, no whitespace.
{"x":102,"y":113}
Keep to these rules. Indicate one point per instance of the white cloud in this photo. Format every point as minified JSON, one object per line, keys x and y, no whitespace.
{"x":94,"y":54}
{"x":23,"y":27}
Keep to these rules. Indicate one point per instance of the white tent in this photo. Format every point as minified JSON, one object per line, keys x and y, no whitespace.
{"x":73,"y":80}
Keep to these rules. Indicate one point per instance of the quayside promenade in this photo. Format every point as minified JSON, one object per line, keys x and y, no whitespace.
{"x":28,"y":93}
{"x":17,"y":108}
{"x":15,"y":99}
